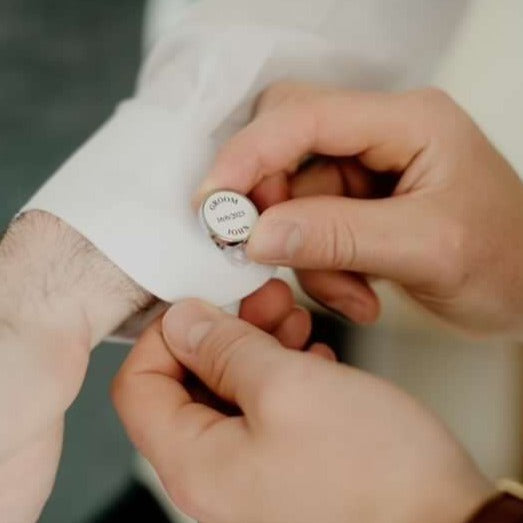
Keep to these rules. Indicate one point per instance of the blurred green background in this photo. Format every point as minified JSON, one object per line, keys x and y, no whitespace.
{"x":63,"y":66}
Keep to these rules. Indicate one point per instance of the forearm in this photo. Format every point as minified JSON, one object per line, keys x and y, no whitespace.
{"x":59,"y":298}
{"x":27,"y":478}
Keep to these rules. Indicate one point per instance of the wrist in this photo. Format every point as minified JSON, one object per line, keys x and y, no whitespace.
{"x":59,"y":298}
{"x":55,"y":281}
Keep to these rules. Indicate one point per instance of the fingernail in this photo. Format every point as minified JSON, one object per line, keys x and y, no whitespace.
{"x":275,"y":242}
{"x":186,"y":323}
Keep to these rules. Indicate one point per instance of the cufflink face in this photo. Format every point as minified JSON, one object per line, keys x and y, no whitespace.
{"x":228,"y":217}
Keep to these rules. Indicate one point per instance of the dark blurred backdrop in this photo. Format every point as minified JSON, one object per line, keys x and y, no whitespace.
{"x":63,"y":66}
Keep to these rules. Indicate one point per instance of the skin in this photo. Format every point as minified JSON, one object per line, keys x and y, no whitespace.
{"x":59,"y":298}
{"x":406,"y":188}
{"x":308,"y":439}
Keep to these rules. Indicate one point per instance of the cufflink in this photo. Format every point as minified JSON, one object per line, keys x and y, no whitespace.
{"x":228,"y":218}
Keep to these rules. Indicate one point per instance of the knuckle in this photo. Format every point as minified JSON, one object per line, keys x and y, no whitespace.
{"x":292,"y":93}
{"x":339,"y":244}
{"x":436,"y":97}
{"x":439,"y":112}
{"x":431,"y":106}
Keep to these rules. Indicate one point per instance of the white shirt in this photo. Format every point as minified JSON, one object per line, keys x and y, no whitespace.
{"x":128,"y":188}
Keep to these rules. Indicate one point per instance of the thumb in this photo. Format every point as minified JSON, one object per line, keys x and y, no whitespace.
{"x":230,"y":356}
{"x":394,"y":238}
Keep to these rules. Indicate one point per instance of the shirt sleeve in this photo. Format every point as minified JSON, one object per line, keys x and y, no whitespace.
{"x":127,"y":190}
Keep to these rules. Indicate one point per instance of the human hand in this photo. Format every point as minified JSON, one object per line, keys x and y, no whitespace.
{"x":312,"y":440}
{"x":407,"y":189}
{"x":59,"y":297}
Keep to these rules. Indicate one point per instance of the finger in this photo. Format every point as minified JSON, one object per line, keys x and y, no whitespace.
{"x":272,"y":309}
{"x":192,"y":446}
{"x":268,"y":306}
{"x":295,"y":330}
{"x":153,"y":404}
{"x":270,"y":191}
{"x":323,"y":351}
{"x":333,"y":178}
{"x":334,"y":123}
{"x":230,"y":356}
{"x":321,"y":178}
{"x":344,"y":177}
{"x":396,"y":238}
{"x":346,"y":293}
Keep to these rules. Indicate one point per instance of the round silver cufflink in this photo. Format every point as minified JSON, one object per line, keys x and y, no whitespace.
{"x":229,"y":217}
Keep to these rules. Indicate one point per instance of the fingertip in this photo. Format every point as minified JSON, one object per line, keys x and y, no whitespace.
{"x":323,"y":351}
{"x":149,"y":352}
{"x":295,"y":330}
{"x":346,"y":293}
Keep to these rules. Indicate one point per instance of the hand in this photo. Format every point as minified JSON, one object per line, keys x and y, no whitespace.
{"x":450,"y":231}
{"x":59,"y":297}
{"x":312,"y":440}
